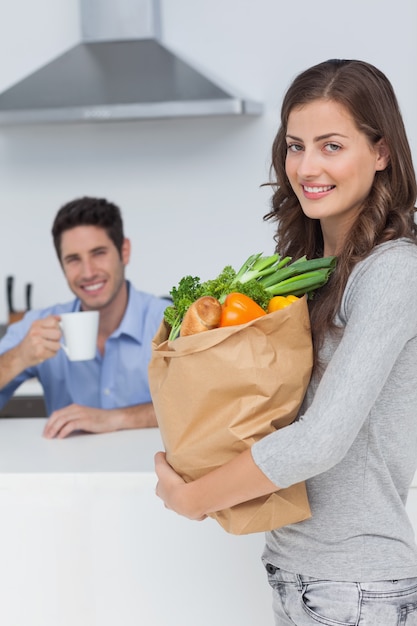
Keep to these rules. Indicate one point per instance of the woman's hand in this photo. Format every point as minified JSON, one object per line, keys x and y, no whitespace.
{"x":173,"y":490}
{"x":238,"y":480}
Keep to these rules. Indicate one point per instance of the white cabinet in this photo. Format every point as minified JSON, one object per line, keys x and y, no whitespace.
{"x":86,"y":542}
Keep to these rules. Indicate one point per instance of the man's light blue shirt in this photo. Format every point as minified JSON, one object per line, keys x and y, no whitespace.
{"x":119,"y":378}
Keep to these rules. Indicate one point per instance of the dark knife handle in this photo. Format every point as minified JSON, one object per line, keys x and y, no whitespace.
{"x":28,"y":296}
{"x":9,"y":284}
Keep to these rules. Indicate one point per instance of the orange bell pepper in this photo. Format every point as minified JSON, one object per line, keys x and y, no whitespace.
{"x":239,"y":309}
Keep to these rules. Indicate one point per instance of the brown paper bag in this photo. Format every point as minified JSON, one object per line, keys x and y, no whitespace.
{"x":217,"y":392}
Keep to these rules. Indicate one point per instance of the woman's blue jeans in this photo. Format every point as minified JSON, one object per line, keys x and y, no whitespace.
{"x":304,"y":601}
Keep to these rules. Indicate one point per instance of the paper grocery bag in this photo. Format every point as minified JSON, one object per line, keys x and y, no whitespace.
{"x":217,"y":392}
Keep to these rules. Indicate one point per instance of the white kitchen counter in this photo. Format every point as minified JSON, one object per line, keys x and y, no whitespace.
{"x":85,"y":541}
{"x":23,"y":450}
{"x":31,"y":387}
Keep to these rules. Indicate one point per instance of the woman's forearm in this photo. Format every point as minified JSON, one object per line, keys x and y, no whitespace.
{"x":237,"y":481}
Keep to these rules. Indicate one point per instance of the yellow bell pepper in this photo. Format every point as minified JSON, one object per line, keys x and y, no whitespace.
{"x":280,"y":302}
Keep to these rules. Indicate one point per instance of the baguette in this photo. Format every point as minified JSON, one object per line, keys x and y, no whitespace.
{"x":203,"y":314}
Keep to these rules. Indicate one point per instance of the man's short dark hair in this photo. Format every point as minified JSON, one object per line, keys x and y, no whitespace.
{"x":87,"y":211}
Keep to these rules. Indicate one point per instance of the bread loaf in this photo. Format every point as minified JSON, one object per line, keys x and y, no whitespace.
{"x":204,"y":314}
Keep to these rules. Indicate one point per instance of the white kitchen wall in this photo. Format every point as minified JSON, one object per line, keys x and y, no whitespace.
{"x":189,"y":189}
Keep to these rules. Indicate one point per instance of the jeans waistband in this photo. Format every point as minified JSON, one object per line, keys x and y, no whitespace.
{"x":369,"y":586}
{"x":285,"y":576}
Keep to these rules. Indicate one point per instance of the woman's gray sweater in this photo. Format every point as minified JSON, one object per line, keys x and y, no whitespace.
{"x":355,"y":440}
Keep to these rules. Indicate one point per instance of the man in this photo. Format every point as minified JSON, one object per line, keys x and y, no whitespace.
{"x":110,"y":392}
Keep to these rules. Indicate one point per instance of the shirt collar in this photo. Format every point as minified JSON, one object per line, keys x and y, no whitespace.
{"x":129,"y":324}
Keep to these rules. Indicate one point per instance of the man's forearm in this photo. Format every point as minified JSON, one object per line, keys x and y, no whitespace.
{"x":137,"y":416}
{"x":10,"y":366}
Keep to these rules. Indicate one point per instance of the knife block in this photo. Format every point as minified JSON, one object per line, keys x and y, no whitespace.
{"x":16,"y":316}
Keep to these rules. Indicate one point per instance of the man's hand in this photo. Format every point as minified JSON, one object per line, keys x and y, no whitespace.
{"x":76,"y":417}
{"x":41,"y":342}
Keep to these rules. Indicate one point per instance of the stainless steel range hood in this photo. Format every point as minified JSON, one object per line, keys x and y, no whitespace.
{"x":121,"y":70}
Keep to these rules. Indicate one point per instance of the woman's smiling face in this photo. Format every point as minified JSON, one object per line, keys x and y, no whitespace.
{"x":330,"y":165}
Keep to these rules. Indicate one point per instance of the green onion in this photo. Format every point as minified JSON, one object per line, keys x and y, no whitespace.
{"x":301,"y":284}
{"x":296,"y":268}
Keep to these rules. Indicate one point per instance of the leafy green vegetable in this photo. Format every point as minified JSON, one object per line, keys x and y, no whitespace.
{"x":229,"y":281}
{"x":182,"y":297}
{"x":219,"y":287}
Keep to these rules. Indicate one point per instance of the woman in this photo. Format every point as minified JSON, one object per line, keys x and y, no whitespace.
{"x":344,"y":185}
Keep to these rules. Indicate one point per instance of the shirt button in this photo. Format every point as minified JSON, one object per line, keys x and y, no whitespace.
{"x":106,"y":392}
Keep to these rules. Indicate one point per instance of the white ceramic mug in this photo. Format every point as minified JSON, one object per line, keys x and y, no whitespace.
{"x":80,"y":330}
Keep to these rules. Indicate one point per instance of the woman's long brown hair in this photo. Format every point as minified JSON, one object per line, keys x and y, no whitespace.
{"x":388,"y":212}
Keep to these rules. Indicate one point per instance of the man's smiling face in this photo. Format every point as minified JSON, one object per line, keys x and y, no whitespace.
{"x":93,"y":267}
